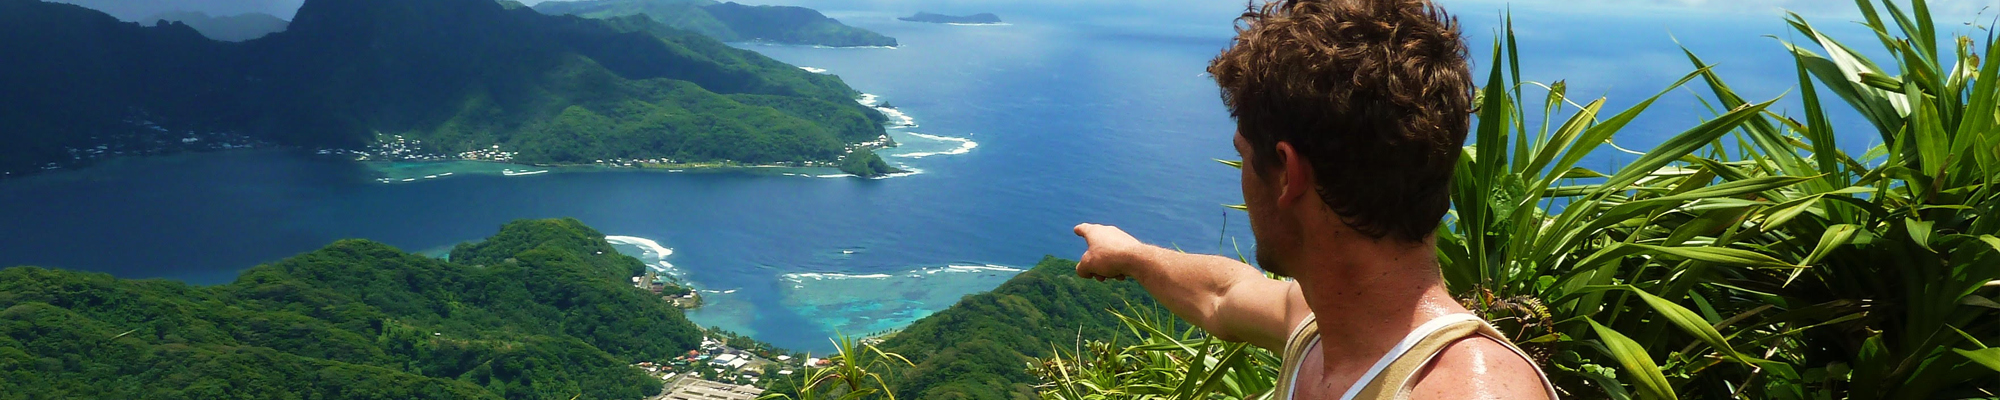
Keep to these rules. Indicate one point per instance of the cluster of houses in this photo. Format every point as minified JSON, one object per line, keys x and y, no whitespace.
{"x":659,"y":284}
{"x":489,"y":154}
{"x":396,"y":147}
{"x":717,"y":362}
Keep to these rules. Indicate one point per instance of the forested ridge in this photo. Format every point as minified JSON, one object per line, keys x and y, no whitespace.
{"x":453,"y":75}
{"x":228,"y":28}
{"x":980,"y":348}
{"x":541,"y":310}
{"x":730,"y":22}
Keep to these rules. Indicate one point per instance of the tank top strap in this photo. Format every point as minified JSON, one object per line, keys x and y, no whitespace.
{"x":1296,"y":347}
{"x":1395,"y":372}
{"x":1398,"y":376}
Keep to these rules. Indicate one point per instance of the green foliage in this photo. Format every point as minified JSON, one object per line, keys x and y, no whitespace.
{"x":1188,"y":365}
{"x":1816,"y":274}
{"x":729,"y":22}
{"x":855,"y":372}
{"x":1747,"y":257}
{"x":978,"y":348}
{"x":233,"y":28}
{"x":541,"y":310}
{"x":864,"y":163}
{"x":456,"y":75}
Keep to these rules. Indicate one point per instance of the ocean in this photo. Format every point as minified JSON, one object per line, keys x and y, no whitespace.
{"x":1016,"y":132}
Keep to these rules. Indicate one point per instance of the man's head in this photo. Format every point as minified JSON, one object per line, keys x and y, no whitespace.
{"x":1350,"y":115}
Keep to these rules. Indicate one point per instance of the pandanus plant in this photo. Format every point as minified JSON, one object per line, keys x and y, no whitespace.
{"x":854,"y":372}
{"x":1748,"y":256}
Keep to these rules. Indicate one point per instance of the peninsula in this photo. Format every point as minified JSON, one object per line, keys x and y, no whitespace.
{"x":443,"y":79}
{"x":730,"y":22}
{"x":977,"y":19}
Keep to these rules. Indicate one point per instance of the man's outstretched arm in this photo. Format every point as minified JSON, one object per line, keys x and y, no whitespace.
{"x":1229,"y":299}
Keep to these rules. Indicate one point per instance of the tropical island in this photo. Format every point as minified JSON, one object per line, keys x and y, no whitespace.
{"x":544,"y":309}
{"x":974,"y":19}
{"x":864,"y":163}
{"x":445,"y":78}
{"x":730,"y":22}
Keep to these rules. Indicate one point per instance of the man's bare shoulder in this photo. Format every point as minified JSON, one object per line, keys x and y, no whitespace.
{"x":1479,"y":368}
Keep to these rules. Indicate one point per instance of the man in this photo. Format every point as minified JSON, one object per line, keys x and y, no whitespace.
{"x":1350,"y":115}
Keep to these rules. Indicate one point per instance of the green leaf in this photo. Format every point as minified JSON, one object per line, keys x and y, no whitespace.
{"x":1644,"y":373}
{"x":1835,"y":236}
{"x":1990,"y":358}
{"x":1683,"y":144}
{"x":1721,"y":255}
{"x":1981,"y":301}
{"x":1690,"y":322}
{"x":1920,"y":232}
{"x":1732,"y":188}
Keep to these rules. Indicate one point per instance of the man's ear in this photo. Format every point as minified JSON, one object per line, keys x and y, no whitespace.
{"x":1295,"y":176}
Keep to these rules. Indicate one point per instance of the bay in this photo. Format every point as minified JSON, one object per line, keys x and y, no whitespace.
{"x":1020,"y":132}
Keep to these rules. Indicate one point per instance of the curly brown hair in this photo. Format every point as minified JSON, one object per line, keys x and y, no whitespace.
{"x":1375,"y":93}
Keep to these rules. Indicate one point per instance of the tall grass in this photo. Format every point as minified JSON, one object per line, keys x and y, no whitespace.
{"x":1745,"y":257}
{"x":854,"y":372}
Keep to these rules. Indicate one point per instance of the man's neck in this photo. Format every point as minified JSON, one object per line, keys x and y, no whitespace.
{"x":1368,"y":296}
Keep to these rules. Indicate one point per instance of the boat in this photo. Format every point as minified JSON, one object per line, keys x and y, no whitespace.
{"x":430,"y":176}
{"x":520,"y":173}
{"x":447,"y":174}
{"x":409,"y":179}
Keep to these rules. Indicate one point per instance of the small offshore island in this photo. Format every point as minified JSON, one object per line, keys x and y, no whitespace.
{"x":974,"y":19}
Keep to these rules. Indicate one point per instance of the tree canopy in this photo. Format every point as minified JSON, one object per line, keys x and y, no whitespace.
{"x":541,"y":310}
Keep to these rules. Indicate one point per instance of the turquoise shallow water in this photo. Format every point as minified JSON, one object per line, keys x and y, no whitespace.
{"x":1019,"y":132}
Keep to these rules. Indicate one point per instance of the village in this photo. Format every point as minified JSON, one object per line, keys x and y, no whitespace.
{"x":719,"y":371}
{"x":727,"y":366}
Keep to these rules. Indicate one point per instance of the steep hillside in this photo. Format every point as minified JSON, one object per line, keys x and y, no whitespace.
{"x":233,"y":28}
{"x":539,"y":311}
{"x":453,"y":75}
{"x":730,"y":22}
{"x":980,"y":347}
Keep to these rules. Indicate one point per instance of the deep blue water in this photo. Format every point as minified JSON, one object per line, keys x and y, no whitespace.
{"x":1106,"y":120}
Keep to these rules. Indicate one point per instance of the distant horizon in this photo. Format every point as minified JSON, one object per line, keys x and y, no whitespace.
{"x":1952,"y":11}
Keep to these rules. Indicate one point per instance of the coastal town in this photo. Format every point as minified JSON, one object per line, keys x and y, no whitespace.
{"x":147,"y":138}
{"x":399,"y":148}
{"x":726,"y":366}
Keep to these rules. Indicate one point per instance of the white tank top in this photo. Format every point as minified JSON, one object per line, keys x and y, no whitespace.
{"x":1402,"y":347}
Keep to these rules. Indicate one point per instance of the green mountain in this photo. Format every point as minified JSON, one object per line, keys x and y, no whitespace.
{"x":540,"y":311}
{"x":453,"y":75}
{"x":730,"y":22}
{"x":865,"y":163}
{"x":980,"y":347}
{"x":234,"y":28}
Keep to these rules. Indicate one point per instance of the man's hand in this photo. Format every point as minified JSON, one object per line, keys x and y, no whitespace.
{"x":1229,"y":299}
{"x":1113,"y":254}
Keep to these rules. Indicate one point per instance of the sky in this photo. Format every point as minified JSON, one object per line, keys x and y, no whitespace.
{"x":1945,"y":9}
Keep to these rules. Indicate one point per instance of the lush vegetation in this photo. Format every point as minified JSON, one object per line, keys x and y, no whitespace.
{"x":233,"y":28}
{"x":865,"y":163}
{"x":979,"y":348}
{"x":730,"y":22}
{"x":543,"y":310}
{"x":453,"y":75}
{"x":1747,"y":257}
